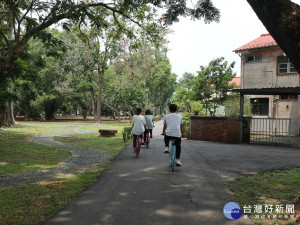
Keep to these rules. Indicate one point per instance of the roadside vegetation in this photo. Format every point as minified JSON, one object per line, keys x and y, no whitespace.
{"x":18,"y":155}
{"x":35,"y":203}
{"x":279,"y":187}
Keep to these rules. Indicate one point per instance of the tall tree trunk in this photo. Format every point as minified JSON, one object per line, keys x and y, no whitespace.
{"x":7,"y":118}
{"x":282,"y":19}
{"x":7,"y":115}
{"x":93,"y":104}
{"x":99,"y":98}
{"x":11,"y":117}
{"x":49,"y":110}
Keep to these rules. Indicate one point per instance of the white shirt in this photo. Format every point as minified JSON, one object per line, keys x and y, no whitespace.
{"x":138,"y":122}
{"x":173,"y":121}
{"x":149,"y":121}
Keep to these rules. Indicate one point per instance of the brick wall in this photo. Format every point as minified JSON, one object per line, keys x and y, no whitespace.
{"x":216,"y":129}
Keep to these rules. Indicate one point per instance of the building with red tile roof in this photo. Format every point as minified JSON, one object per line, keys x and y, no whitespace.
{"x":236,"y":81}
{"x":271,"y":81}
{"x":265,"y":40}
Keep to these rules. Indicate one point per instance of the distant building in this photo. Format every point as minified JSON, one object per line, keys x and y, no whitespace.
{"x":264,"y":66}
{"x":236,"y":81}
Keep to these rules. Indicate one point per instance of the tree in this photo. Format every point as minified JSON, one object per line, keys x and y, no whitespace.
{"x":134,"y":70}
{"x":187,"y":80}
{"x":232,"y":106}
{"x":211,"y":82}
{"x":183,"y":98}
{"x":22,"y":20}
{"x":122,"y":91}
{"x":47,"y":86}
{"x":282,"y":19}
{"x":103,"y":47}
{"x":161,"y":82}
{"x":30,"y":18}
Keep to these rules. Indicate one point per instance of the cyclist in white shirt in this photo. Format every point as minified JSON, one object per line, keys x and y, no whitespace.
{"x":138,"y":126}
{"x":173,"y":129}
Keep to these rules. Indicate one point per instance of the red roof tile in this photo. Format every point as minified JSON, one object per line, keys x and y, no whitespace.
{"x":265,"y":40}
{"x":236,"y":80}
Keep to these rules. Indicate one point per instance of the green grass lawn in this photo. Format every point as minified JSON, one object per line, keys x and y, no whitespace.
{"x":113,"y":145}
{"x":18,"y":155}
{"x":35,"y":203}
{"x":271,"y":188}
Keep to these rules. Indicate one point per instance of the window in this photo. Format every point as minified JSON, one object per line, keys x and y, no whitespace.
{"x":260,"y":106}
{"x":287,"y":97}
{"x":285,"y":66}
{"x":254,"y":58}
{"x":293,"y":96}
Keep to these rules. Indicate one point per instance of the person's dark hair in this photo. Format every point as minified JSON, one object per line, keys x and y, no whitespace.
{"x":138,"y":111}
{"x":148,"y":112}
{"x":173,"y":108}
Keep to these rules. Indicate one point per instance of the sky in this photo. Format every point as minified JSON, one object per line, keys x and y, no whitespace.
{"x":194,"y":43}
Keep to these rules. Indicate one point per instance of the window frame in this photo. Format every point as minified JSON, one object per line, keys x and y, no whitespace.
{"x":254,"y":58}
{"x":262,"y":104}
{"x":289,"y":69}
{"x":293,"y":97}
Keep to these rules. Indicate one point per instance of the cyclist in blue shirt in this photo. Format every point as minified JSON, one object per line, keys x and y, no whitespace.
{"x":149,"y":123}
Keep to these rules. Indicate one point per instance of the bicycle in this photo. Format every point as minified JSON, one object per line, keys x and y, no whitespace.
{"x":147,"y":139}
{"x":138,"y":146}
{"x":172,"y":155}
{"x":172,"y":152}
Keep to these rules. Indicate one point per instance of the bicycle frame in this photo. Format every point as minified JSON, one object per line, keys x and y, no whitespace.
{"x":172,"y":155}
{"x":138,"y":146}
{"x":147,"y":139}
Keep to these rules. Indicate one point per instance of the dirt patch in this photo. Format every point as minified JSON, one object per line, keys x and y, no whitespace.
{"x":57,"y":184}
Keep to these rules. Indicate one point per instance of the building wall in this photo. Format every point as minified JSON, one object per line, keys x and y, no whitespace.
{"x":289,"y":109}
{"x":216,"y":129}
{"x":264,"y":74}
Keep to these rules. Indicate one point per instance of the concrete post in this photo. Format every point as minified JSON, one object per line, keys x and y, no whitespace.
{"x":241,"y":116}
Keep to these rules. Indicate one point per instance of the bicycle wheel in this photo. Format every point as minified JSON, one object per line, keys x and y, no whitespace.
{"x":172,"y":157}
{"x":147,"y":140}
{"x":138,"y":146}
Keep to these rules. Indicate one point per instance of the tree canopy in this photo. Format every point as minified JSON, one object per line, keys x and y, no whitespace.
{"x":282,"y":19}
{"x":23,"y":20}
{"x":211,"y":81}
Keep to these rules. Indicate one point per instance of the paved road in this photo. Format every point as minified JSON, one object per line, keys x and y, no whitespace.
{"x":142,"y":191}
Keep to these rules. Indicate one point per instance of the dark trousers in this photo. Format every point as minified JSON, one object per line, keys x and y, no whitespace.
{"x":145,"y":134}
{"x":177,"y":144}
{"x":135,"y":137}
{"x":150,"y":130}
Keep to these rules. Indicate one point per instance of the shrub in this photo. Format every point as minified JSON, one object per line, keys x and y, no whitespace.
{"x":157,"y":117}
{"x":186,"y":125}
{"x":127,"y":133}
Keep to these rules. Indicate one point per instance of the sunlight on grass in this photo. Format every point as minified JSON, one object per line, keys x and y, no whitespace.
{"x":276,"y":187}
{"x":36,"y":203}
{"x":20,"y":156}
{"x":113,"y":145}
{"x":33,"y":204}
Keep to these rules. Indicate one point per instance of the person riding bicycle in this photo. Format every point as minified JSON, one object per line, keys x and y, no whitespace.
{"x":138,"y":126}
{"x":173,"y":129}
{"x":149,"y":124}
